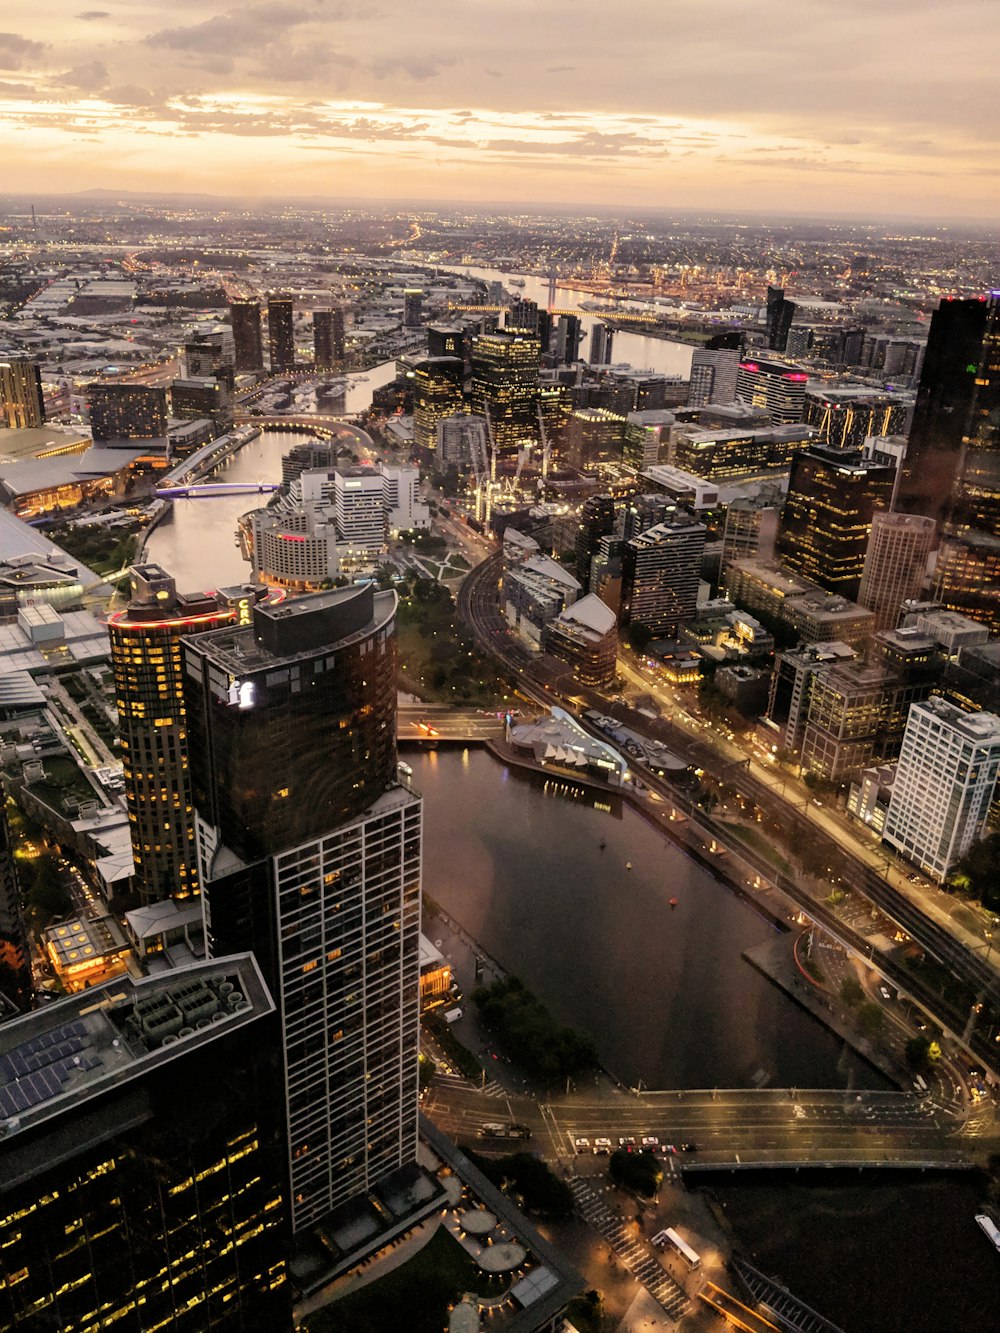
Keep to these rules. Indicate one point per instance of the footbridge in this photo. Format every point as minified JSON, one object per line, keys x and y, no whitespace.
{"x":209,"y":489}
{"x":775,"y":1301}
{"x":327,"y":427}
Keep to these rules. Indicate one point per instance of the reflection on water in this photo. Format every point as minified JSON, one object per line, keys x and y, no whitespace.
{"x":540,"y":877}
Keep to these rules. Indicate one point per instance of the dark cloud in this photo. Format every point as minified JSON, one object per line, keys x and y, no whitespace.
{"x":92,"y":15}
{"x":15,"y":50}
{"x":591,"y":144}
{"x":243,"y":32}
{"x":89,"y":78}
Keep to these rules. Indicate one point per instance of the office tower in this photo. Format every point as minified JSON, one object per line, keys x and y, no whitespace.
{"x":141,"y":1166}
{"x":248,"y":340}
{"x":202,"y":397}
{"x":523,"y":315}
{"x":647,"y":438}
{"x":958,"y":390}
{"x":310,"y":855}
{"x":597,"y":520}
{"x":463,"y":443}
{"x":146,"y":663}
{"x":944,"y":785}
{"x":899,"y":547}
{"x":438,"y":392}
{"x":827,"y":518}
{"x":751,"y":527}
{"x":846,"y":417}
{"x":206,"y":354}
{"x":645,"y":511}
{"x":445,"y":340}
{"x":967,"y":577}
{"x":594,"y":438}
{"x":661,"y":569}
{"x":404,"y":508}
{"x":328,"y":338}
{"x":779,"y":318}
{"x":505,"y":386}
{"x":120,"y":413}
{"x":308,"y":456}
{"x":776,"y":387}
{"x":21,"y":403}
{"x":413,"y":308}
{"x":569,"y":335}
{"x":713,"y":376}
{"x":585,"y":635}
{"x":15,"y":951}
{"x":281,"y":333}
{"x":601,"y":343}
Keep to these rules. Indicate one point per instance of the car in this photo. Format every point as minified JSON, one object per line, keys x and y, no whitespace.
{"x":884,"y":992}
{"x":582,"y":1145}
{"x":650,"y":1141}
{"x":628,"y":1143}
{"x":668,"y":1147}
{"x":689,"y":1147}
{"x":602,"y":1147}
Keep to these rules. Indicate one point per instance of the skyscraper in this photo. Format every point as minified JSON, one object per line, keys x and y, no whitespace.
{"x":944,"y":785}
{"x":120,"y":413}
{"x":438,"y":383}
{"x":15,"y":954}
{"x":146,"y":662}
{"x":846,"y":417}
{"x":601,"y":342}
{"x":780,"y":314}
{"x":21,"y":403}
{"x":597,"y":520}
{"x":827,"y":518}
{"x":310,"y":855}
{"x":248,"y":340}
{"x":505,"y":385}
{"x":967,"y":576}
{"x":777,"y":387}
{"x":713,"y":376}
{"x":899,"y":547}
{"x":141,"y":1164}
{"x":413,"y":307}
{"x":328,"y":338}
{"x":445,"y":340}
{"x":661,"y":569}
{"x":569,"y":334}
{"x":281,"y":333}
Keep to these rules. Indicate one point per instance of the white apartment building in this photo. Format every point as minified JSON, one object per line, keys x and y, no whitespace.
{"x":945,"y":781}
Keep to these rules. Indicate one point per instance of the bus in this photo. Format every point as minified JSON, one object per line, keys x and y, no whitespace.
{"x":670,"y":1237}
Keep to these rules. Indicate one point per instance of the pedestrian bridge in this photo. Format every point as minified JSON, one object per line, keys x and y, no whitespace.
{"x":213,"y":489}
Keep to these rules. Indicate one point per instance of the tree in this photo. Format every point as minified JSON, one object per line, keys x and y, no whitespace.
{"x":918,"y":1054}
{"x":870,"y":1019}
{"x":851,"y":991}
{"x":639,"y":1172}
{"x":978,"y":872}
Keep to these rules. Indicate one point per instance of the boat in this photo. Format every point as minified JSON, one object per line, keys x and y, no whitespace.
{"x":990,"y":1227}
{"x":628,"y":865}
{"x":517,"y":282}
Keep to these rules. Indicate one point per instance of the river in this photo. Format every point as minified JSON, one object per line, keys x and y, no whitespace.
{"x":657,"y":354}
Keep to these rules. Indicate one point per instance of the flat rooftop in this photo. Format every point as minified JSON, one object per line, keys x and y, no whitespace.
{"x":67,"y":1052}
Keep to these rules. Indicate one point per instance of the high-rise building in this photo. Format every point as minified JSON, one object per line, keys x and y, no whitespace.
{"x":146,"y":662}
{"x":413,"y":308}
{"x":713,"y":376}
{"x":15,"y":952}
{"x":895,"y":567}
{"x":141,"y":1162}
{"x":846,"y":417}
{"x":585,"y":635}
{"x":248,"y":339}
{"x":21,"y":403}
{"x":601,"y":344}
{"x":281,"y":333}
{"x":945,"y":781}
{"x":206,"y":354}
{"x":505,"y":386}
{"x":827,"y":518}
{"x":780,"y":314}
{"x":661,"y":569}
{"x":328,"y":338}
{"x":751,"y":527}
{"x":310,"y":854}
{"x":120,"y":413}
{"x":523,"y":315}
{"x":463,"y":443}
{"x":967,"y":576}
{"x":594,"y":437}
{"x":776,"y":387}
{"x":445,"y":340}
{"x":438,"y":384}
{"x":569,"y":335}
{"x":202,"y":397}
{"x":956,"y":397}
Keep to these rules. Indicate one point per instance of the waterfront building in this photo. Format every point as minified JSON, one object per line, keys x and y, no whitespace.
{"x":309,"y":456}
{"x":121,"y":413}
{"x":505,"y":386}
{"x":536,"y":589}
{"x":293,"y":549}
{"x":777,"y":387}
{"x":146,"y":662}
{"x":210,"y":355}
{"x":661,"y":569}
{"x":16,"y":985}
{"x":248,"y":339}
{"x":22,"y":406}
{"x":329,"y":347}
{"x":585,"y":635}
{"x":310,"y":853}
{"x":844,"y":417}
{"x":713,"y":376}
{"x":438,"y":392}
{"x":597,"y":520}
{"x":141,"y":1160}
{"x":601,"y":344}
{"x":281,"y":333}
{"x":827,"y":518}
{"x":191,"y":399}
{"x":899,"y":547}
{"x":945,"y":782}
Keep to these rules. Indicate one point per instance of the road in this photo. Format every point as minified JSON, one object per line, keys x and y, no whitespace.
{"x":428,"y":722}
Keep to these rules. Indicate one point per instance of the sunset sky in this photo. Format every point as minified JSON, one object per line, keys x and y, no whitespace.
{"x":869,"y":107}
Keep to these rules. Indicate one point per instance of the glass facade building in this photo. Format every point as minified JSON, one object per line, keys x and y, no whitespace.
{"x":281,"y":333}
{"x":248,"y":339}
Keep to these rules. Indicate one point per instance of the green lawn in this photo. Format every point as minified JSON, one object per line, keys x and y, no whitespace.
{"x":414,"y":1297}
{"x":761,"y":843}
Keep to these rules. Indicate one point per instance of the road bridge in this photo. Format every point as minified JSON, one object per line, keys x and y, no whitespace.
{"x":421,"y":723}
{"x":325,"y":425}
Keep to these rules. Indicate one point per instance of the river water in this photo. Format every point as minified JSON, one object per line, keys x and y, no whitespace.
{"x":657,"y":354}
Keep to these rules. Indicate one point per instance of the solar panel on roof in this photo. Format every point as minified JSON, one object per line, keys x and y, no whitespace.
{"x":7,"y":1106}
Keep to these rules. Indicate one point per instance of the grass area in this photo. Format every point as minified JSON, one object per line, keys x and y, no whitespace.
{"x":759,"y":841}
{"x":103,"y":549}
{"x":414,"y":1297}
{"x":436,"y":656}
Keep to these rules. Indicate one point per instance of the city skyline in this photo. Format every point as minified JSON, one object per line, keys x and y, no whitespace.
{"x":554,"y":106}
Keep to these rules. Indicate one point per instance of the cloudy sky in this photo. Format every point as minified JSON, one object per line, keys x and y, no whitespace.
{"x":871,"y":107}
